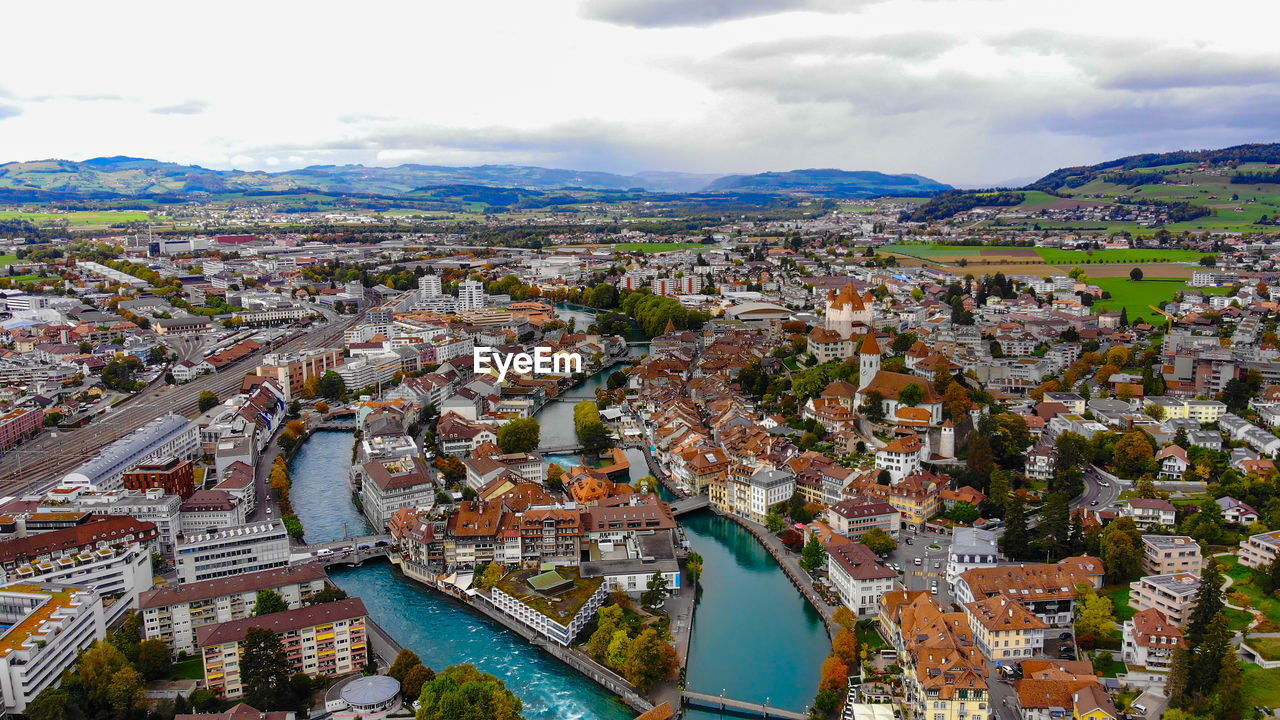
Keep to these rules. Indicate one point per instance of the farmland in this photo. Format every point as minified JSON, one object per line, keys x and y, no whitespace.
{"x":1137,"y":297}
{"x":77,"y":218}
{"x":1054,"y":256}
{"x":1045,"y":261}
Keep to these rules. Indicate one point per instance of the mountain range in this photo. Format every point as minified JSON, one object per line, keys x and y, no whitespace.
{"x":120,"y":176}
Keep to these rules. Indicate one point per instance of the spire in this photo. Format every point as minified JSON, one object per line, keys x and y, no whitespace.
{"x":870,"y":346}
{"x":671,"y":326}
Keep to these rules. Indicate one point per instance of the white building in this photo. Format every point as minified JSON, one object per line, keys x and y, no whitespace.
{"x":562,"y":633}
{"x":971,"y":548}
{"x":767,"y":488}
{"x":391,"y":484}
{"x":233,"y":551}
{"x":470,"y":295}
{"x":46,"y":627}
{"x":860,"y":580}
{"x":167,"y":436}
{"x":122,"y":572}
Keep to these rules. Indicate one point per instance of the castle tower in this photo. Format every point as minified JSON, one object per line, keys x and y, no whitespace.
{"x":846,"y":310}
{"x":947,"y":440}
{"x":868,"y":361}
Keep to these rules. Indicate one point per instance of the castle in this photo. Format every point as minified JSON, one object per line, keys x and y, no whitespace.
{"x":848,"y":319}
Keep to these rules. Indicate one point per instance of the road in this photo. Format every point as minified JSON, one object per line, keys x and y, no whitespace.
{"x":39,"y":463}
{"x":920,"y":577}
{"x":1097,"y":496}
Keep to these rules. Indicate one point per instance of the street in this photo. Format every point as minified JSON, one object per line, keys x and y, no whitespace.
{"x":1096,"y":496}
{"x":933,"y":561}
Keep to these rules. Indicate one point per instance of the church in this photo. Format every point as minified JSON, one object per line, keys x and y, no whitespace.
{"x":923,"y":414}
{"x":848,"y":318}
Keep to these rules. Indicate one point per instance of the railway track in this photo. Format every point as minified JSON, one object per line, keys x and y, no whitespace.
{"x":39,"y":464}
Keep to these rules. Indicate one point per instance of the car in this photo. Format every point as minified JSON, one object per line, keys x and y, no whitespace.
{"x":1103,"y":483}
{"x":1093,"y":503}
{"x":933,"y":590}
{"x":937,"y":565}
{"x":919,"y":562}
{"x":909,"y":541}
{"x":1064,"y":636}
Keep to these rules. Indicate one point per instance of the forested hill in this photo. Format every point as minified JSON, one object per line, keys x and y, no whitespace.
{"x":1071,"y":177}
{"x":831,"y":183}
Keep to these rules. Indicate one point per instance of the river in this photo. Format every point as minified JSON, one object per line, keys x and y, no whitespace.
{"x":754,"y":635}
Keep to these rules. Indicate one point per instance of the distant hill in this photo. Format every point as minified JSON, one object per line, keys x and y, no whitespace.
{"x":1073,"y":177}
{"x":125,"y":177}
{"x":830,"y":183}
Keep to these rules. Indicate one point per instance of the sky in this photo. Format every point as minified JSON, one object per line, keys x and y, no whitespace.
{"x":969,"y":92}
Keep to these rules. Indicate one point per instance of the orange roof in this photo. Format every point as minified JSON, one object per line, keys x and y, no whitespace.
{"x":870,"y":346}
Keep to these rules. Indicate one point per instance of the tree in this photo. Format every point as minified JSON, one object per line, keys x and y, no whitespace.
{"x":879,"y":541}
{"x":1055,"y":525}
{"x":207,"y":400}
{"x":1094,"y":616}
{"x":911,"y":395}
{"x":264,"y":671}
{"x":96,"y":667}
{"x":462,"y":692}
{"x":405,"y":661}
{"x":814,"y":555}
{"x":619,"y":644}
{"x":956,"y":402}
{"x":1133,"y":453}
{"x":1207,"y":604}
{"x":311,"y":387}
{"x":269,"y":601}
{"x":981,"y":461}
{"x":1135,"y":274}
{"x":1209,"y":653}
{"x":845,"y":646}
{"x":1121,"y":549}
{"x":963,"y":513}
{"x":155,"y":659}
{"x":330,"y":593}
{"x":693,"y":563}
{"x":1228,"y":697}
{"x":608,"y":621}
{"x":418,"y":675}
{"x":53,"y":703}
{"x":646,"y":485}
{"x":492,"y":576}
{"x":1175,"y":687}
{"x":873,"y":406}
{"x":124,"y":693}
{"x":649,"y":660}
{"x":555,"y":476}
{"x":332,"y":386}
{"x":1016,"y":537}
{"x":835,"y":673}
{"x":773,"y":521}
{"x":452,"y":469}
{"x":655,"y":592}
{"x":521,"y":435}
{"x":845,"y":618}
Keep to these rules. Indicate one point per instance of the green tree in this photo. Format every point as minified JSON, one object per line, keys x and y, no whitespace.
{"x":462,"y":692}
{"x":980,"y":462}
{"x":492,"y":576}
{"x":774,"y":522}
{"x":521,"y":435}
{"x":873,"y":406}
{"x":608,"y":621}
{"x":96,"y":668}
{"x":1121,"y":549}
{"x":124,"y":693}
{"x":1055,"y":525}
{"x":911,"y":395}
{"x":646,"y":661}
{"x":1095,"y":619}
{"x":206,"y":400}
{"x":879,"y":541}
{"x":1207,"y":604}
{"x":619,"y":644}
{"x":1016,"y":538}
{"x":1213,"y":648}
{"x":155,"y":659}
{"x":264,"y":671}
{"x":963,"y":513}
{"x":53,"y":703}
{"x":330,"y":593}
{"x":646,"y":485}
{"x":332,"y":386}
{"x":693,"y":563}
{"x":814,"y":555}
{"x":418,"y":675}
{"x":1228,"y":695}
{"x":269,"y":601}
{"x":655,"y":592}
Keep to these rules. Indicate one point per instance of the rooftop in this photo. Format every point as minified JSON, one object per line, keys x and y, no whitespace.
{"x":559,"y":601}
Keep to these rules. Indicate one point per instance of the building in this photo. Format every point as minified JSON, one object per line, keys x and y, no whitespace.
{"x":208,"y":510}
{"x":368,"y":698}
{"x":767,"y":487}
{"x":1149,"y":513}
{"x":325,"y":640}
{"x":1235,"y":511}
{"x":970,"y":548}
{"x":1166,"y":554}
{"x":170,"y":436}
{"x":392,"y":484}
{"x":1042,"y":462}
{"x":18,"y":425}
{"x":1005,"y":629}
{"x":855,"y":516}
{"x":173,"y":613}
{"x":1260,"y":550}
{"x":860,"y":580}
{"x":45,"y":626}
{"x":572,"y":605}
{"x":1150,"y":639}
{"x":943,"y":671}
{"x":172,"y":475}
{"x":240,"y":712}
{"x":1172,"y":594}
{"x":902,"y":456}
{"x":1048,"y":590}
{"x":1173,"y":462}
{"x":290,"y":371}
{"x":118,"y":568}
{"x":233,"y":551}
{"x":471,"y":295}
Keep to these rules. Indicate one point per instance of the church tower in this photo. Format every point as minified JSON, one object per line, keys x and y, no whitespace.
{"x":868,"y":361}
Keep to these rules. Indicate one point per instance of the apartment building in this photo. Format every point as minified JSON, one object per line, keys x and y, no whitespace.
{"x":46,"y":625}
{"x":171,"y":474}
{"x":1167,"y":554}
{"x":208,"y":510}
{"x":233,"y":551}
{"x":1005,"y":629}
{"x":765,"y":488}
{"x":859,"y":579}
{"x":855,"y":516}
{"x":1150,"y":639}
{"x":943,"y":671}
{"x":1260,"y":550}
{"x":970,"y":548}
{"x":291,"y":370}
{"x":564,"y":621}
{"x":173,"y":613}
{"x":326,"y":640}
{"x":1148,"y":513}
{"x":1049,"y":591}
{"x":1172,"y":594}
{"x":395,"y":483}
{"x":19,"y":425}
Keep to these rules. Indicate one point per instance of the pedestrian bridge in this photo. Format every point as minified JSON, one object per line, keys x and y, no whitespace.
{"x":690,"y":504}
{"x":722,"y":703}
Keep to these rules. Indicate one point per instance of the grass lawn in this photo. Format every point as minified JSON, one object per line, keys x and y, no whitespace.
{"x":1261,"y":687}
{"x":8,"y":259}
{"x":869,"y":633}
{"x":26,"y":278}
{"x":1054,"y":256}
{"x":1107,"y":665}
{"x":658,"y":247}
{"x":1238,"y":620}
{"x":931,"y":250}
{"x":1268,"y":647}
{"x":189,"y":669}
{"x":1268,"y":605}
{"x":1120,"y":600}
{"x":78,"y":217}
{"x":1137,"y":297}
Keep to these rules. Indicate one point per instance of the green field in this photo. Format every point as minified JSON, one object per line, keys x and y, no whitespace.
{"x":1054,"y":256}
{"x":926,"y":252}
{"x":1120,"y":602}
{"x":1036,"y":198}
{"x":7,"y":260}
{"x":189,"y":669}
{"x":658,"y":247}
{"x":1136,"y":297}
{"x":1261,"y":687}
{"x":77,"y":218}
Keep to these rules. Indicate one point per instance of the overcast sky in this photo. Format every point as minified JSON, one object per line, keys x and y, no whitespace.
{"x":967,"y":92}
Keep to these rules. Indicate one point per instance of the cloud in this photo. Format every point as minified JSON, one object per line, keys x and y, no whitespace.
{"x":681,"y":13}
{"x":186,"y":107}
{"x":8,"y":111}
{"x":80,"y":97}
{"x":905,"y":46}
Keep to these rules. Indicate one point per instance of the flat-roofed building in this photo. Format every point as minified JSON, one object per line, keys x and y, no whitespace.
{"x":173,"y":613}
{"x":167,"y":436}
{"x":232,"y":551}
{"x":172,"y":475}
{"x":1165,"y":554}
{"x":45,"y":626}
{"x":326,"y":640}
{"x":1172,"y":594}
{"x":290,"y":371}
{"x":1260,"y":550}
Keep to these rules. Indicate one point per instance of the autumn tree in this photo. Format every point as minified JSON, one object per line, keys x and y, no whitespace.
{"x":845,"y":646}
{"x":608,"y":621}
{"x":649,"y":660}
{"x":878,"y":541}
{"x":155,"y":659}
{"x":418,"y":675}
{"x":1095,"y":619}
{"x":1121,"y":549}
{"x":1133,"y":453}
{"x":835,"y":673}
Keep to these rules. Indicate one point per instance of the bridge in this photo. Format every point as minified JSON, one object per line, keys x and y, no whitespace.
{"x":561,"y":449}
{"x":720,"y":702}
{"x":341,"y":552}
{"x":690,"y":504}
